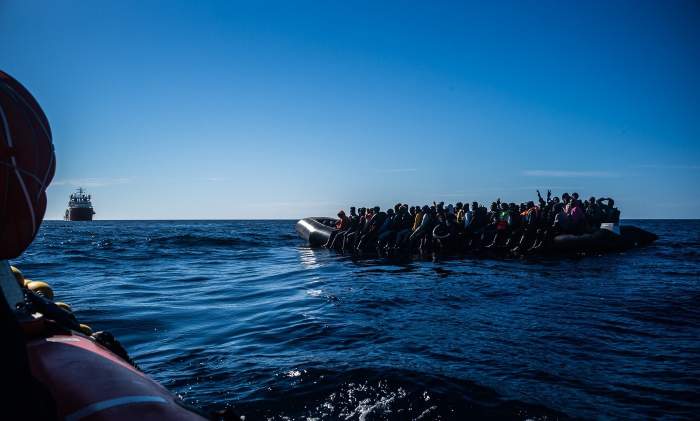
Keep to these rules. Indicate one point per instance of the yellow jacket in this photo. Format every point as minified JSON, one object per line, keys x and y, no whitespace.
{"x":460,"y":216}
{"x":417,"y":220}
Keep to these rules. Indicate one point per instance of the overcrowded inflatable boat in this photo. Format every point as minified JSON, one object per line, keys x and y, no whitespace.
{"x":316,"y":231}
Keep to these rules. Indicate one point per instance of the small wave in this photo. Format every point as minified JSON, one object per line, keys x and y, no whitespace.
{"x":360,"y":394}
{"x":684,"y":244}
{"x":104,"y":244}
{"x":193,"y":240}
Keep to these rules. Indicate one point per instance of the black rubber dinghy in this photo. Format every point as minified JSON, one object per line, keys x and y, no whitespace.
{"x":316,"y":232}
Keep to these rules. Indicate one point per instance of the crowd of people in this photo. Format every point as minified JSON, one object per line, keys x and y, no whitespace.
{"x":518,"y":229}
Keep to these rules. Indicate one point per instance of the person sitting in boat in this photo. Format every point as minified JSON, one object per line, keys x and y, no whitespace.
{"x":514,"y":225}
{"x":561,"y":219}
{"x":355,"y":229}
{"x":340,"y":225}
{"x":565,"y":198}
{"x":387,"y":231}
{"x":339,"y":239}
{"x":530,"y":220}
{"x":404,"y":226}
{"x":593,"y":214}
{"x":553,"y":220}
{"x":364,"y":226}
{"x":577,"y":217}
{"x":402,"y":222}
{"x":418,"y":218}
{"x":500,"y":222}
{"x":371,"y":231}
{"x":468,"y":215}
{"x":459,"y":212}
{"x":610,"y":213}
{"x":475,"y":225}
{"x":420,"y":232}
{"x":444,"y":233}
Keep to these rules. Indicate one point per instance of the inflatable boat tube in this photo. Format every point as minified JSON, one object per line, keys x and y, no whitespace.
{"x":317,"y":230}
{"x":89,"y":382}
{"x":602,"y":241}
{"x":82,"y":379}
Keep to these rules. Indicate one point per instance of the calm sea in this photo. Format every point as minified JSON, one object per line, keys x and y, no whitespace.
{"x":241,"y":314}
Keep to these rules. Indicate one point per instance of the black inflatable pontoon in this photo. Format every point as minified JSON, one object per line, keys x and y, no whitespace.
{"x":316,"y":232}
{"x":603,"y":240}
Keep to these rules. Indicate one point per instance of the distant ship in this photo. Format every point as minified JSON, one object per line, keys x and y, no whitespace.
{"x":79,"y":207}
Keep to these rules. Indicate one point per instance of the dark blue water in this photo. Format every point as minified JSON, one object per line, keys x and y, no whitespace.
{"x":240,"y":314}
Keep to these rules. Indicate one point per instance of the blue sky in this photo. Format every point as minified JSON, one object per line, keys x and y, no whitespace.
{"x":168,"y":110}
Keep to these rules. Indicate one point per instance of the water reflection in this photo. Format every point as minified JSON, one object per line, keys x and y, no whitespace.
{"x":307,"y":257}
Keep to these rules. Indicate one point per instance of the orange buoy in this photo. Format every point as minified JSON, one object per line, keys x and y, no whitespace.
{"x":40,"y":288}
{"x":63,"y":306}
{"x":85,"y":330}
{"x":18,"y":275}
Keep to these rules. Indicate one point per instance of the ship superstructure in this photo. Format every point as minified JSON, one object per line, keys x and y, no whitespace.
{"x":79,"y":207}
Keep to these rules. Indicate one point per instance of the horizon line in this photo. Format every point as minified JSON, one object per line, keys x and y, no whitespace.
{"x":297,"y":219}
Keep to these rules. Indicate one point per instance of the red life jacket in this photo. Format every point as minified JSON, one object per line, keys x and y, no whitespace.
{"x":27,"y":165}
{"x":342,"y":223}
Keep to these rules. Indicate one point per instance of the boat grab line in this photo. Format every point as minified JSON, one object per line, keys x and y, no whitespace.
{"x":111,"y":403}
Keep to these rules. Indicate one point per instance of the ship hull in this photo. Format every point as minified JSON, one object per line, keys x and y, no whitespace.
{"x":79,"y":214}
